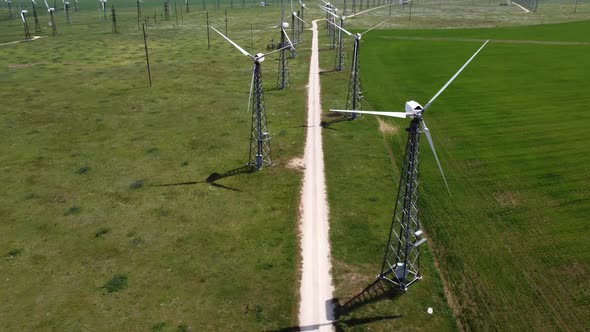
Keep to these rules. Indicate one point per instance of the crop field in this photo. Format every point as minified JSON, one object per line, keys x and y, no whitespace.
{"x":110,"y":218}
{"x":511,"y":241}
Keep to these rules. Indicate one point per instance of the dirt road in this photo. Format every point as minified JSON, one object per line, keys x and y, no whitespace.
{"x":316,"y":311}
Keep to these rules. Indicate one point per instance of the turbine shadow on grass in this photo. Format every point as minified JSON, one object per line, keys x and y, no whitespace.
{"x":375,"y":292}
{"x":237,"y":171}
{"x":214,"y":177}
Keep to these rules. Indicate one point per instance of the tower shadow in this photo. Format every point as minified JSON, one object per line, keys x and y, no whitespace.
{"x":237,"y":171}
{"x":214,"y":177}
{"x":377,"y":291}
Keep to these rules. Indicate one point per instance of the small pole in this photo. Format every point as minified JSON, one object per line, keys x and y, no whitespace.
{"x":188,"y":10}
{"x":147,"y":57}
{"x":410,"y":16}
{"x":208,"y":37}
{"x":204,"y":8}
{"x":576,"y":6}
{"x":138,"y":13}
{"x":226,"y":24}
{"x":176,"y":13}
{"x":114,"y":15}
{"x":390,"y":3}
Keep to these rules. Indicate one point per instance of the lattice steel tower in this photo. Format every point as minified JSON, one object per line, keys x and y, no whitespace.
{"x":259,"y":138}
{"x":294,"y":32}
{"x":340,"y":54}
{"x":283,"y":79}
{"x":23,"y":15}
{"x":67,"y":9}
{"x":401,"y":264}
{"x":53,"y":26}
{"x":36,"y":17}
{"x":355,"y":96}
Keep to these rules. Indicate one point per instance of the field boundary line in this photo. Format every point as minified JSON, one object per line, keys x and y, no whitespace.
{"x":504,"y":41}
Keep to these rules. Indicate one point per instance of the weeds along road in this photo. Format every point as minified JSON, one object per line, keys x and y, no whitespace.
{"x":316,"y":311}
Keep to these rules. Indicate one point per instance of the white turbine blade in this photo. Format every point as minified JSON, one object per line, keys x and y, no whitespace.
{"x":402,"y":115}
{"x":291,"y":6}
{"x":289,"y":40}
{"x":454,"y":76}
{"x":297,"y":17}
{"x":235,"y":45}
{"x":251,"y":90}
{"x":368,"y":10}
{"x":46,"y":5}
{"x":375,"y":26}
{"x":336,"y":25}
{"x":329,"y":11}
{"x":22,"y":16}
{"x":280,"y":49}
{"x":325,"y":2}
{"x":429,"y":138}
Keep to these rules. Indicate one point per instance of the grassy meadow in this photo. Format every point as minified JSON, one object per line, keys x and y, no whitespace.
{"x":107,"y":222}
{"x":511,"y":242}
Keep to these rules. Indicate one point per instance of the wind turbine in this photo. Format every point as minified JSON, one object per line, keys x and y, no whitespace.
{"x":330,"y":10}
{"x":67,"y":10}
{"x":9,"y":5}
{"x":259,"y":137}
{"x":104,"y":8}
{"x":401,"y":264}
{"x":35,"y":16}
{"x":52,"y":22}
{"x":354,"y":98}
{"x":283,"y":71}
{"x":340,"y":54}
{"x":23,"y":16}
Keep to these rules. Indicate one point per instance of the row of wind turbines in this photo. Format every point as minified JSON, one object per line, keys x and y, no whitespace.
{"x":401,"y":262}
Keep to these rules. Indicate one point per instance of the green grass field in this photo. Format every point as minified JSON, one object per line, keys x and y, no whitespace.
{"x":511,"y":242}
{"x":93,"y":164}
{"x":107,"y":221}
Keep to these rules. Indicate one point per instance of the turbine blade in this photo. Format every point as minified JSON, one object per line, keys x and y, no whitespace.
{"x":336,"y":25}
{"x":46,"y":5}
{"x":287,"y":36}
{"x":368,"y":10}
{"x":402,"y":115}
{"x":329,"y":11}
{"x":297,"y":17}
{"x":454,"y":76}
{"x":429,"y":138}
{"x":235,"y":45}
{"x":375,"y":26}
{"x":251,"y":90}
{"x":22,"y":16}
{"x":325,"y":2}
{"x":280,"y":49}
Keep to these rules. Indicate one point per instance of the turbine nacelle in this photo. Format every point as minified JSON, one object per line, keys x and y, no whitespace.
{"x":259,"y":57}
{"x":285,"y":25}
{"x":413,"y":108}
